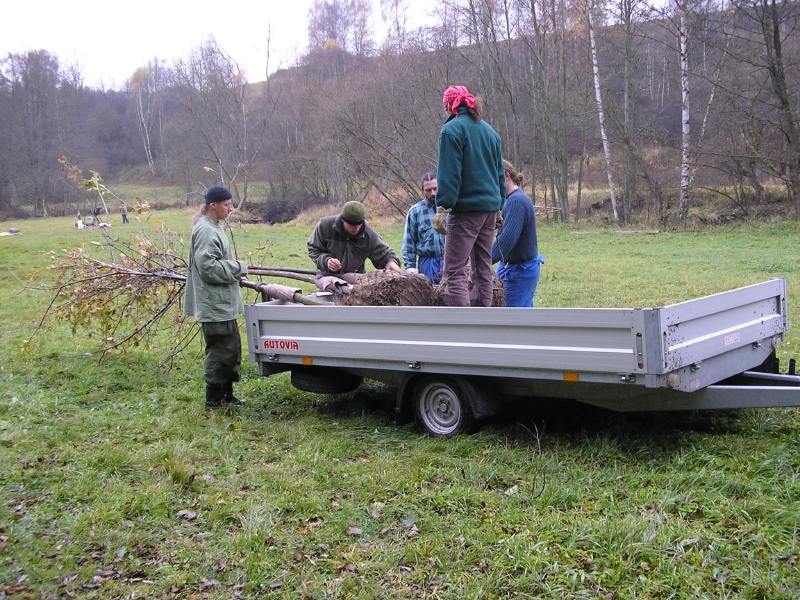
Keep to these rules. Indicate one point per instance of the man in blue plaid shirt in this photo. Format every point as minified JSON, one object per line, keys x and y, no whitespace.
{"x":420,"y":239}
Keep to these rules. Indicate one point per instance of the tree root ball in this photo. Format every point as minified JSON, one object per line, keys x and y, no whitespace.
{"x":385,"y":288}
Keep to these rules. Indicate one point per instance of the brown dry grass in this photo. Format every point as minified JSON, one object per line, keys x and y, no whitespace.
{"x":310,"y":217}
{"x":380,"y":213}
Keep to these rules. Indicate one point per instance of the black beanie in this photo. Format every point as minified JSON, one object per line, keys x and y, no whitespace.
{"x":217,"y":194}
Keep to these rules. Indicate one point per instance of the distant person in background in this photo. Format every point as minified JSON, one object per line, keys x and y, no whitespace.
{"x":96,"y":214}
{"x":124,"y":212}
{"x":517,"y":247}
{"x":213,"y":298}
{"x":471,"y":183}
{"x":423,"y":246}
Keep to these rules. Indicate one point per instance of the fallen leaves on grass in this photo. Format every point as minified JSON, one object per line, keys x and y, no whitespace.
{"x":275,"y":584}
{"x":311,"y":523}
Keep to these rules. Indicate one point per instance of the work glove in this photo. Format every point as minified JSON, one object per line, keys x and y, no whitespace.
{"x":498,"y":220}
{"x":439,"y":220}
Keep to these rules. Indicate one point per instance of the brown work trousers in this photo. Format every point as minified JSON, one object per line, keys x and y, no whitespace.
{"x":469,"y":238}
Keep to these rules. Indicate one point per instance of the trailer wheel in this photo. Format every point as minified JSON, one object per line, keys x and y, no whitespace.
{"x":324,"y":380}
{"x":441,"y":406}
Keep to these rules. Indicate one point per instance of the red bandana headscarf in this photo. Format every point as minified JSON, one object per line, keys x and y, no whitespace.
{"x":455,"y":95}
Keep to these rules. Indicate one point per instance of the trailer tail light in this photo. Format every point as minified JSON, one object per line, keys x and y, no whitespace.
{"x":307,"y":361}
{"x":571,"y":377}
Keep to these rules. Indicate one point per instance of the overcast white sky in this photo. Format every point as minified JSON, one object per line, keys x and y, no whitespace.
{"x":110,"y":40}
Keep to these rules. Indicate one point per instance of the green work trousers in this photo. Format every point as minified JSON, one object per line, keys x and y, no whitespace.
{"x":223,"y":352}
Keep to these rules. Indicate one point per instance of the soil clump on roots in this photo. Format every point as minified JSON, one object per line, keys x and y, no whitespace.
{"x":385,"y":288}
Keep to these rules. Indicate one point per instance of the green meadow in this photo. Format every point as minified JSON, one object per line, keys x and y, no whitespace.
{"x":116,"y":483}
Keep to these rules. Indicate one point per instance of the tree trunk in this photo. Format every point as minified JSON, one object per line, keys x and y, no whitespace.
{"x":145,"y":131}
{"x":601,"y":117}
{"x":580,"y":179}
{"x":629,"y":167}
{"x":686,"y":180}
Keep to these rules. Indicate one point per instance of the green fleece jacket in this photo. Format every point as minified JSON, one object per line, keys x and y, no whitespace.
{"x":470,"y":174}
{"x":212,"y":282}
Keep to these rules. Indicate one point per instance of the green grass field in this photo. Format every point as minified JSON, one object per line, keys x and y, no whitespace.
{"x":116,"y":484}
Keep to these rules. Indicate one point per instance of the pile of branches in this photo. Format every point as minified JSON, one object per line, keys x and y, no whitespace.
{"x":128,"y":293}
{"x":121,"y":293}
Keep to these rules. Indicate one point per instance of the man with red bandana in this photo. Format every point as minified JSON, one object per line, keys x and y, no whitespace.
{"x":471,"y":183}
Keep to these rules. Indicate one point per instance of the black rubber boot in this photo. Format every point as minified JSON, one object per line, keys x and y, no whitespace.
{"x":229,"y":397}
{"x":215,"y":395}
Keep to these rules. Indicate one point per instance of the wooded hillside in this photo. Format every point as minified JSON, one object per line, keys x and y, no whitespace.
{"x":697,"y":96}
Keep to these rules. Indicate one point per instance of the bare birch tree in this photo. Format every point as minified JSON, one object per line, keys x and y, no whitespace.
{"x":141,"y":92}
{"x":683,"y":50}
{"x":590,"y":9}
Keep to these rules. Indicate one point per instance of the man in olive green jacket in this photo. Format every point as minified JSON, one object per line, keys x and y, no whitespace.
{"x":342,"y":244}
{"x":213,"y":298}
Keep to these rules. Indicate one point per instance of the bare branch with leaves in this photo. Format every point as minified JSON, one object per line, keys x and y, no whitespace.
{"x":130,"y":299}
{"x":127,"y":294}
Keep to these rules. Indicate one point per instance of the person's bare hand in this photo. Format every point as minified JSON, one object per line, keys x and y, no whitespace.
{"x":392,"y":266}
{"x":334,"y":265}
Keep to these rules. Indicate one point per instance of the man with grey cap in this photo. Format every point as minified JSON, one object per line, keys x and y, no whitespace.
{"x":213,"y":298}
{"x":342,"y":243}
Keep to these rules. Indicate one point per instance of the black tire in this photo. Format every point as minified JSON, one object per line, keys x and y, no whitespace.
{"x":324,"y":380}
{"x":441,"y":406}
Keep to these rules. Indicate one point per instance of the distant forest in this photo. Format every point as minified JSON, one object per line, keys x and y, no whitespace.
{"x":662,"y":102}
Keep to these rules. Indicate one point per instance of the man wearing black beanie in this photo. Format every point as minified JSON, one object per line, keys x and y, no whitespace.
{"x":213,"y":298}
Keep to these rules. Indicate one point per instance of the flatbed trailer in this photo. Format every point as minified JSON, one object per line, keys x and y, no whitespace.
{"x":454,"y":365}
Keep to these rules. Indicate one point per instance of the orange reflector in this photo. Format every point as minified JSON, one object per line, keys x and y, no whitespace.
{"x":307,"y":361}
{"x":573,"y":377}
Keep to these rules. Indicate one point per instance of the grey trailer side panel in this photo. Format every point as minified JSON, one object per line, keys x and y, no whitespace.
{"x":709,"y":339}
{"x":580,"y":340}
{"x":699,"y":329}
